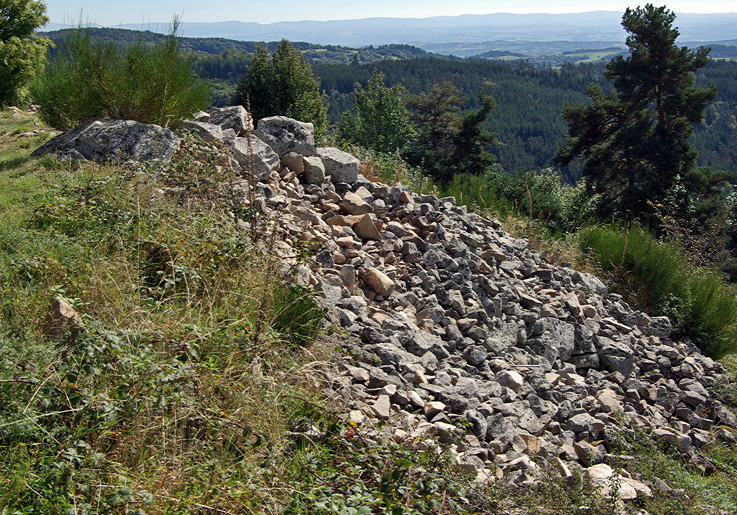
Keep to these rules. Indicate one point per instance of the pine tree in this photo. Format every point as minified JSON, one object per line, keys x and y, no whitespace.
{"x":283,"y":85}
{"x":634,"y":140}
{"x":472,"y":139}
{"x":448,"y":143}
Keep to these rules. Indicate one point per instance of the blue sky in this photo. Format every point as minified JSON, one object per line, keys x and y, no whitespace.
{"x":106,"y":12}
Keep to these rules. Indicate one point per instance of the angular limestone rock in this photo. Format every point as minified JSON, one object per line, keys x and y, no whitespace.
{"x":232,"y":117}
{"x":62,"y":319}
{"x":378,"y":281}
{"x":253,"y":155}
{"x":208,"y":132}
{"x":314,"y":170}
{"x":352,"y":204}
{"x":366,"y":229}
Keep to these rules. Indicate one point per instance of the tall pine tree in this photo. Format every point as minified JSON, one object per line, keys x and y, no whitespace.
{"x":634,"y":141}
{"x":447,"y":142}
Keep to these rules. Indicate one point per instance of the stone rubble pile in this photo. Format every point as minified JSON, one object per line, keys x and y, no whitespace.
{"x":459,"y":333}
{"x":462,"y":334}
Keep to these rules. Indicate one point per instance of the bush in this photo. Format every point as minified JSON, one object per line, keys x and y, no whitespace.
{"x":539,"y":195}
{"x":22,"y":53}
{"x":657,"y":277}
{"x":283,"y":85}
{"x":93,"y":79}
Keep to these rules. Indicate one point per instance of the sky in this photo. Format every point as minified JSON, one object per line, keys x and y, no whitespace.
{"x":111,"y":13}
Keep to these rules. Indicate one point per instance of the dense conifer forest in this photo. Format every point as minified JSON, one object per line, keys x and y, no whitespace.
{"x":527,"y":119}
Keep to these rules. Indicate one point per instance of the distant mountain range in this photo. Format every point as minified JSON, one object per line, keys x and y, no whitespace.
{"x":601,"y":28}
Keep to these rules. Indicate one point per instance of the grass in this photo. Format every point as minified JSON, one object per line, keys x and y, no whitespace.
{"x":187,"y":373}
{"x":657,"y":277}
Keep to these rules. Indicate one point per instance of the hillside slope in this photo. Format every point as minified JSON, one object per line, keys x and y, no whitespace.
{"x":186,"y":368}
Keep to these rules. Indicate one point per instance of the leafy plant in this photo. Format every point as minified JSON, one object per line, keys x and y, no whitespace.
{"x":380,"y":120}
{"x":22,"y":53}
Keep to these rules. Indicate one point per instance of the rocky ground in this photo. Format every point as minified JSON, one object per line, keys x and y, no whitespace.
{"x":459,"y":333}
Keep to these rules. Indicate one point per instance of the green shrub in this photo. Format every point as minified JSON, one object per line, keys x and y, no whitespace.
{"x":283,"y":85}
{"x":94,"y":79}
{"x":22,"y":53}
{"x":539,"y":195}
{"x":657,"y":277}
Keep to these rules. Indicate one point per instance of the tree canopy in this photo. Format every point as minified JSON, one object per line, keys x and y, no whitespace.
{"x":634,"y":140}
{"x":282,"y":85}
{"x":447,"y":142}
{"x":22,"y":53}
{"x":380,"y":120}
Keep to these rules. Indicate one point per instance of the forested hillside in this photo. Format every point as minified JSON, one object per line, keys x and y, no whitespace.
{"x":530,"y":95}
{"x":530,"y":100}
{"x":213,"y":54}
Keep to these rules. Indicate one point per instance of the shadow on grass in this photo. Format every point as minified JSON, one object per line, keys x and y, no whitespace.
{"x":13,"y":162}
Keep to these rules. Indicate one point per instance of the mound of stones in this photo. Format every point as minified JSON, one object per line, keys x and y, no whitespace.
{"x":461,"y":334}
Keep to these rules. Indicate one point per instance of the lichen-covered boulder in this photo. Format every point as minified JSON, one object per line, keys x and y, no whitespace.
{"x":255,"y":156}
{"x":285,"y":135}
{"x":339,"y":165}
{"x":232,"y":117}
{"x":114,"y":141}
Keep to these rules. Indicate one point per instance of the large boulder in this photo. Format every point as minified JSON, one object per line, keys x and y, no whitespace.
{"x":206,"y":131}
{"x":286,"y":135}
{"x":314,"y":170}
{"x":339,"y":165}
{"x":232,"y":117}
{"x":553,"y":339}
{"x":114,"y":141}
{"x":253,"y":155}
{"x":615,"y":356}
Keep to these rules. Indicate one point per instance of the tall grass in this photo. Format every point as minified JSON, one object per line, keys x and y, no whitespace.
{"x":94,"y":79}
{"x":657,"y":277}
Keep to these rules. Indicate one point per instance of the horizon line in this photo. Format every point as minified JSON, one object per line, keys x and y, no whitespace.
{"x":105,"y":25}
